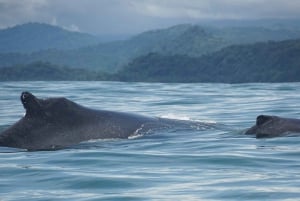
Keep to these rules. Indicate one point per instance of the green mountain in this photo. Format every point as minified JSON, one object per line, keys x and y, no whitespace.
{"x":190,"y":40}
{"x":260,"y":62}
{"x":247,"y":35}
{"x":182,"y":39}
{"x":32,"y":37}
{"x":41,"y":71}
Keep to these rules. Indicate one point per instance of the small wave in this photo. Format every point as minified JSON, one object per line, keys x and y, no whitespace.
{"x":11,"y":150}
{"x":146,"y":129}
{"x":186,"y":118}
{"x":138,"y":133}
{"x":175,"y":116}
{"x":134,"y":136}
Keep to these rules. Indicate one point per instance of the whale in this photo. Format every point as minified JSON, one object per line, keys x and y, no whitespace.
{"x":55,"y":123}
{"x":274,"y":126}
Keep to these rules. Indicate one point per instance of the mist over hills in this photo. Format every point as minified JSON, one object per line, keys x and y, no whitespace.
{"x":181,"y":39}
{"x":260,"y":62}
{"x":186,"y":39}
{"x":43,"y":71}
{"x":182,"y":53}
{"x":32,"y":37}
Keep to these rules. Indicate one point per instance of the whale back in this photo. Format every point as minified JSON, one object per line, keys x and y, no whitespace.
{"x":272,"y":126}
{"x":55,"y":123}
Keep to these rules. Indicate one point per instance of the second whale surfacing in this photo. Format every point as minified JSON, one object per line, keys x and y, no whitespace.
{"x":56,"y":123}
{"x":274,"y":126}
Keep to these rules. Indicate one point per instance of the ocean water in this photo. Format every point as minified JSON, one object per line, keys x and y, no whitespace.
{"x":215,"y":161}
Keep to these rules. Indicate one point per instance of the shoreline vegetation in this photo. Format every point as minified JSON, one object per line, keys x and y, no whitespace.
{"x":192,"y":55}
{"x":260,"y":62}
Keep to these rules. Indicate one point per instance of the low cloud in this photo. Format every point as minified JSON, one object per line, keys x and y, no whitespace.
{"x":129,"y":16}
{"x":219,"y":9}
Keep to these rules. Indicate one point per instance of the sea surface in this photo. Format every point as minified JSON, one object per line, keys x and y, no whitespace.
{"x":215,"y":161}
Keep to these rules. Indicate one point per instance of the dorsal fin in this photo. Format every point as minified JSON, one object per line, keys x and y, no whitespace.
{"x":31,"y":104}
{"x":262,"y":119}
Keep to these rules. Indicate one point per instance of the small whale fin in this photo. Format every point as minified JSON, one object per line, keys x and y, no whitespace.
{"x":262,"y":119}
{"x":31,"y":104}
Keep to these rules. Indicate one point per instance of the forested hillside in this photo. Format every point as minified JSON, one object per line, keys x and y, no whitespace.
{"x":32,"y":37}
{"x":191,"y":40}
{"x":261,"y":62}
{"x":41,"y":71}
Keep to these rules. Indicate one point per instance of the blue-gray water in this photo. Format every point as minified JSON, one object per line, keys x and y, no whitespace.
{"x":209,"y":163}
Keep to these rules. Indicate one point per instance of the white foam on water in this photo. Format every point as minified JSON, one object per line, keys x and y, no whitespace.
{"x":186,"y":118}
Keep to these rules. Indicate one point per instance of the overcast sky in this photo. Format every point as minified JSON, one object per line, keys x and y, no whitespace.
{"x":133,"y":16}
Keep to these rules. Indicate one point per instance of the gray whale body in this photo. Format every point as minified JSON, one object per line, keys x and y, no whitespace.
{"x":56,"y":123}
{"x":273,"y":126}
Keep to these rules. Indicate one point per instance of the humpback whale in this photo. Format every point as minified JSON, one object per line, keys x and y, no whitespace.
{"x":273,"y":126}
{"x":55,"y":123}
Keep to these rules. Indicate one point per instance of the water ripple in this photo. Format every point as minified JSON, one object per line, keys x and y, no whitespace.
{"x":209,"y":163}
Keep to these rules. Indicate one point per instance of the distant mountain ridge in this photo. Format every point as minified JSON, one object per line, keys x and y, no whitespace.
{"x":185,"y":39}
{"x":32,"y":37}
{"x":182,"y":39}
{"x":43,"y":71}
{"x":259,"y":62}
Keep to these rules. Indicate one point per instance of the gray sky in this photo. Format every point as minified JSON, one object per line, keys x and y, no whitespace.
{"x":133,"y":16}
